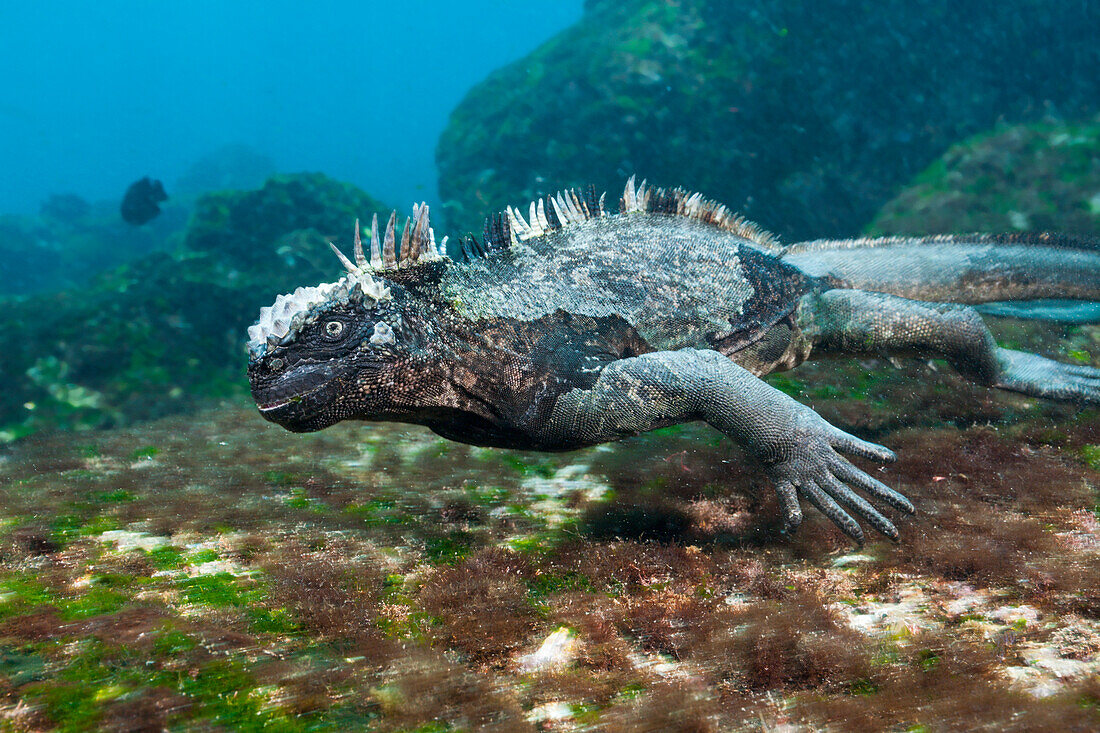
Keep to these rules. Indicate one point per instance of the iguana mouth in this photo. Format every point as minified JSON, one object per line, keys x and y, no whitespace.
{"x":268,"y":407}
{"x":293,"y":387}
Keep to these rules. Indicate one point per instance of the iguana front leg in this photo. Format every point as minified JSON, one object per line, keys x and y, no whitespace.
{"x":800,"y":450}
{"x":857,"y":321}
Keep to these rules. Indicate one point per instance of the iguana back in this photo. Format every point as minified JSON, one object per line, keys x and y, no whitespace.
{"x":678,"y":279}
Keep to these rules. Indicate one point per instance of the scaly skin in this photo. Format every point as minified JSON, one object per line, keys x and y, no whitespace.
{"x":581,"y":327}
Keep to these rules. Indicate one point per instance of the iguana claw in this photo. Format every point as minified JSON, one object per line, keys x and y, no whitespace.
{"x":1034,"y":375}
{"x":812,"y":467}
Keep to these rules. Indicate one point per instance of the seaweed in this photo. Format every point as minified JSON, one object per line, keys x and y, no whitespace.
{"x":223,"y":580}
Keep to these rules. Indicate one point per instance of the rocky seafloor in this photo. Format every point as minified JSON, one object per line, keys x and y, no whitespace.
{"x":214,"y":572}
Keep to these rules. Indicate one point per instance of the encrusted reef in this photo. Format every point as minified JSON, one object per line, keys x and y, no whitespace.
{"x":805,"y":116}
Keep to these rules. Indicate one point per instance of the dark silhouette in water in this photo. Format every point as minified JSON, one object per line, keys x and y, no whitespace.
{"x":139,"y":205}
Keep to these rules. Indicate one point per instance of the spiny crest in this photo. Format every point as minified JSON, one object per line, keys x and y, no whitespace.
{"x":552,"y":213}
{"x":547,"y":215}
{"x":417,"y":244}
{"x":678,"y":202}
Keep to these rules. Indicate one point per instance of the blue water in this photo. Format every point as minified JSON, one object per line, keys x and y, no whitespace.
{"x":96,"y":95}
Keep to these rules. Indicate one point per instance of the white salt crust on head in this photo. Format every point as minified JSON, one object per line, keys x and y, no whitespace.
{"x":290,"y":313}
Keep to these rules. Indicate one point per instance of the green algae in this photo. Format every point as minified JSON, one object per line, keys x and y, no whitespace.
{"x":19,"y":594}
{"x":1091,"y":455}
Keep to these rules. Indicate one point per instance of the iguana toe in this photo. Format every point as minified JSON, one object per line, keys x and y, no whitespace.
{"x":1039,"y":377}
{"x":849,"y":474}
{"x":788,"y":500}
{"x":827,"y":506}
{"x":858,"y":504}
{"x":854,"y":446}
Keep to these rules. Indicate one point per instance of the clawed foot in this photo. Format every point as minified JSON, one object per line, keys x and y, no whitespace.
{"x":1033,"y":375}
{"x":813,"y":468}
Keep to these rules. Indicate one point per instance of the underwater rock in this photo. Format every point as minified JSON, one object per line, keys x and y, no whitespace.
{"x":67,"y":208}
{"x":246,"y":229}
{"x":806,"y":117}
{"x":230,"y":167}
{"x":1037,"y":177}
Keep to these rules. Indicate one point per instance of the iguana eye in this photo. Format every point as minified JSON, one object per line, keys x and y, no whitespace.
{"x":275,"y":364}
{"x":333,"y":329}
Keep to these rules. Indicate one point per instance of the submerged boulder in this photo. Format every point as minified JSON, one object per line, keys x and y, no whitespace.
{"x":806,"y":116}
{"x":1037,"y":177}
{"x":247,"y":229}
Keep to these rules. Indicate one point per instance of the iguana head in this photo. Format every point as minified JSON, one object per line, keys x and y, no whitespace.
{"x":344,"y":349}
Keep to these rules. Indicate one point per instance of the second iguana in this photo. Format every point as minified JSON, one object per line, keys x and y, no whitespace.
{"x":578,"y":326}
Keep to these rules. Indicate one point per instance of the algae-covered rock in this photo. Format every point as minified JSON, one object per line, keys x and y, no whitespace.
{"x":808,"y":116}
{"x":1034,"y":177}
{"x":244,"y":228}
{"x":164,"y":332}
{"x":142,"y":340}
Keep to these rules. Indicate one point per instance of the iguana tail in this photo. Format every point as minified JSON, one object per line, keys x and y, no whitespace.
{"x":979,"y":268}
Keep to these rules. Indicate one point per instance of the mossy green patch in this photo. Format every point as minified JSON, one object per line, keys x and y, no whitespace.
{"x":283,"y":479}
{"x":166,"y":557}
{"x":114,"y":497}
{"x":170,"y":642}
{"x":527,"y":465}
{"x":1091,"y":455}
{"x":545,"y":584}
{"x":22,"y":593}
{"x":145,"y":452}
{"x":96,"y":600}
{"x":787,"y":384}
{"x":218,"y":590}
{"x":378,"y":512}
{"x":450,"y":548}
{"x":202,"y":556}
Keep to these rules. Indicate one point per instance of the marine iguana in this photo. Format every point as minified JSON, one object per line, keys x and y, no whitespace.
{"x":578,"y":326}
